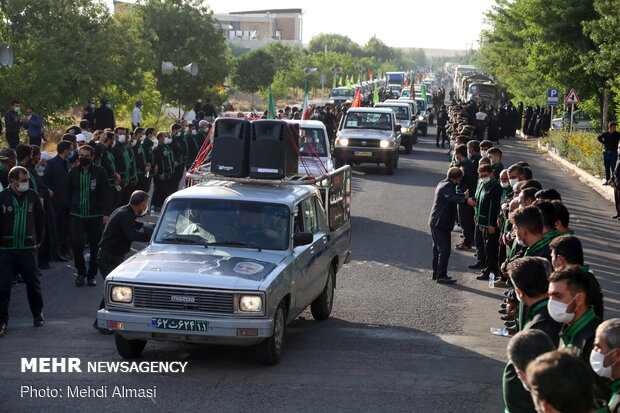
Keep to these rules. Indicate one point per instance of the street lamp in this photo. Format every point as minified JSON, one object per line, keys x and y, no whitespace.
{"x":168,"y":68}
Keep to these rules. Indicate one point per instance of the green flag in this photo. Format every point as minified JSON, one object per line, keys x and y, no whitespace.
{"x":375,"y":98}
{"x":271,"y":111}
{"x":423,"y":90}
{"x":340,"y":82}
{"x":349,"y":82}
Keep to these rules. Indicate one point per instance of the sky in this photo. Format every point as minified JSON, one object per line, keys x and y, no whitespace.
{"x":437,"y":24}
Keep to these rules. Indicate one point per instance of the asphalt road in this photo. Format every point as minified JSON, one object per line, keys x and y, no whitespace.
{"x":396,"y":341}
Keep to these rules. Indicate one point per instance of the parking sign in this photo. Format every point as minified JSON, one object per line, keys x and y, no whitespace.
{"x":553,"y":97}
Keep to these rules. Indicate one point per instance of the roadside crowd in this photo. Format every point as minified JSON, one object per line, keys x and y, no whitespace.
{"x":562,"y":357}
{"x":51,"y":208}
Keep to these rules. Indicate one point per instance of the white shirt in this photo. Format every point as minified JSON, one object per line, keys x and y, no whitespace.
{"x":136,"y":116}
{"x":481,"y":116}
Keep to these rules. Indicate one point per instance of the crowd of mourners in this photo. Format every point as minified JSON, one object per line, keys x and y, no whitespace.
{"x":562,"y":356}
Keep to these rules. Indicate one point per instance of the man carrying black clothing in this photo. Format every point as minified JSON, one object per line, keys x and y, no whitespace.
{"x":103,"y":117}
{"x":22,"y":227}
{"x":122,"y":229}
{"x":442,"y":220}
{"x":610,"y":140}
{"x":89,"y":207}
{"x":13,"y":124}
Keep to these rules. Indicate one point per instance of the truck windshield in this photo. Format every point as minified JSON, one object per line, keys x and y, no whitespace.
{"x":223,"y":222}
{"x":312,"y":142}
{"x":421,"y":104}
{"x":368,"y":120}
{"x":342,"y":92}
{"x":477,"y":88}
{"x":401,"y":112}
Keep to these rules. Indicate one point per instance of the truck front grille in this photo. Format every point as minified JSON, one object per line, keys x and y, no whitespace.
{"x":183,"y":300}
{"x":369,"y":143}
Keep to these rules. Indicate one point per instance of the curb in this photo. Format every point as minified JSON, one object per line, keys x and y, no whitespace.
{"x":606,"y":192}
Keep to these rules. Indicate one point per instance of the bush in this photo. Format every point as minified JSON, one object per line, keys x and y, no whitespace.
{"x":579,"y":148}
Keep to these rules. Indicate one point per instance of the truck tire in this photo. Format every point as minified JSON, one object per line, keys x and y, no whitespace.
{"x":129,"y":349}
{"x":423,"y":130}
{"x":396,"y":159}
{"x":270,"y":350}
{"x":389,"y":165}
{"x":321,"y":307}
{"x":408,"y":146}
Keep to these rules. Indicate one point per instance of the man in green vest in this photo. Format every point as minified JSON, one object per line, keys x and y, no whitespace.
{"x":488,"y":202}
{"x":164,"y":164}
{"x":605,"y":358}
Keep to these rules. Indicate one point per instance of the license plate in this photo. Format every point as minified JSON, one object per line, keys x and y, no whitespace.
{"x":362,"y":153}
{"x":179,"y":324}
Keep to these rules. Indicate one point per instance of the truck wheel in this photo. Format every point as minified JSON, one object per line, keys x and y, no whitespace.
{"x":389,"y":165}
{"x":129,"y":349}
{"x":423,"y":130}
{"x":321,"y":307}
{"x":415,"y":136}
{"x":408,"y":146}
{"x":396,"y":158}
{"x":269,"y":351}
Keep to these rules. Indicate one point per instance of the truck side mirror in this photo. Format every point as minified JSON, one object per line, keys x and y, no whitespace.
{"x":302,"y":238}
{"x":396,"y":127}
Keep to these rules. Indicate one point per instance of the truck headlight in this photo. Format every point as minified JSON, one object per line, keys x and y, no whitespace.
{"x":421,"y":118}
{"x":121,"y":294}
{"x":405,"y":130}
{"x":342,"y":141}
{"x":251,"y":303}
{"x":385,"y":144}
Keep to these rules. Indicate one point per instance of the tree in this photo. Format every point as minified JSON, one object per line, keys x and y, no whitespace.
{"x":254,"y":71}
{"x":181,"y":32}
{"x":337,"y":43}
{"x":379,"y":50}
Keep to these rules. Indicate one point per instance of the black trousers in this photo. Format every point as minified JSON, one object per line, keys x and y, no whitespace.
{"x":63,"y":231}
{"x":175,"y":179}
{"x":441,"y":132}
{"x":491,"y":249}
{"x":13,"y":139}
{"x":466,"y":219}
{"x":160,"y":190}
{"x":126,"y":193}
{"x":82,"y":229}
{"x":617,"y":196}
{"x":144,"y":184}
{"x":442,"y":244}
{"x":480,"y":250}
{"x":107,"y":264}
{"x":24,"y":262}
{"x":35,"y":140}
{"x":49,"y":245}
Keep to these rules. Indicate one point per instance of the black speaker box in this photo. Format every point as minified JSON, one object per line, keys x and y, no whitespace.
{"x":273,"y":149}
{"x":231,"y":147}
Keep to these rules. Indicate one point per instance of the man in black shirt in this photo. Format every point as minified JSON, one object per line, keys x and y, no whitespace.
{"x":610,"y":141}
{"x":8,"y":159}
{"x":22,"y":227}
{"x":121,"y":230}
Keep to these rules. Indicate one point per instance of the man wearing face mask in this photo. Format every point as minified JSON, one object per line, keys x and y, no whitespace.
{"x":13,"y":124}
{"x":121,"y":231}
{"x":605,"y":358}
{"x":516,"y":174}
{"x":122,"y":163}
{"x":89,"y":207}
{"x":22,"y":227}
{"x":103,"y":117}
{"x":179,"y":150}
{"x":441,"y":222}
{"x":164,"y":163}
{"x":488,"y":198}
{"x":89,"y":112}
{"x":466,"y":185}
{"x":522,"y":349}
{"x":191,"y":146}
{"x":136,"y":115}
{"x":55,"y":177}
{"x":528,"y":225}
{"x":142,"y":156}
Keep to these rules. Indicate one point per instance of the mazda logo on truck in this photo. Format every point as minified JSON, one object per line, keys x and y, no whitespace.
{"x":182,"y":299}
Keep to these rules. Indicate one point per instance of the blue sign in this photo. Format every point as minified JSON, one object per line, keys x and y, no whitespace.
{"x":553,"y":97}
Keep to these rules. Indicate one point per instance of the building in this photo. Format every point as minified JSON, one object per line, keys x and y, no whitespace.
{"x":256,"y":28}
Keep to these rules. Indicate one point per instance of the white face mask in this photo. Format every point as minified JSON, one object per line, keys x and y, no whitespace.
{"x":23,"y":186}
{"x":505,"y":184}
{"x":485,"y":180}
{"x":194,"y":132}
{"x":483,"y":154}
{"x":133,"y":143}
{"x":121,"y":138}
{"x":167,"y":141}
{"x":513,"y":182}
{"x":186,"y":129}
{"x":557,"y":311}
{"x":17,"y":108}
{"x":597,"y":361}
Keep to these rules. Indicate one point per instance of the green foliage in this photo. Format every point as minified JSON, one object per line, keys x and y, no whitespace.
{"x":580,"y":148}
{"x":254,"y":71}
{"x":379,"y":50}
{"x":336,"y":43}
{"x":181,"y":32}
{"x":125,"y":100}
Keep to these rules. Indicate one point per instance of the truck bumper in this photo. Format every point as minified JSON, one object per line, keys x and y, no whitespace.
{"x":363,"y":155}
{"x":230,"y":331}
